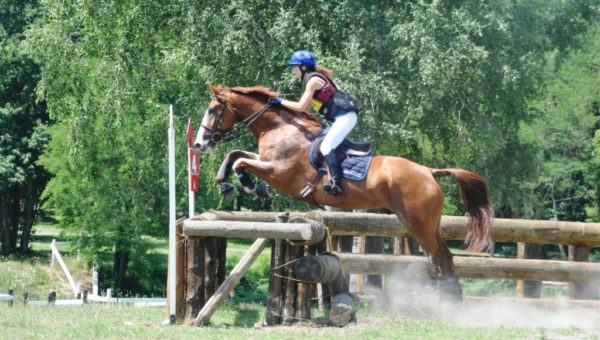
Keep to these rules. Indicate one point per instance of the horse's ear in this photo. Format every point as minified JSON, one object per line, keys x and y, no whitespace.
{"x":216,"y":91}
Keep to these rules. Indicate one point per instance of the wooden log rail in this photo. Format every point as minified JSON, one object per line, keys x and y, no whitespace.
{"x":474,"y":267}
{"x":452,"y":227}
{"x":311,"y":233}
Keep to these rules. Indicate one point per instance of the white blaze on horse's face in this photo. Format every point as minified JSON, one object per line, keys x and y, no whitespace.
{"x":204,"y":145}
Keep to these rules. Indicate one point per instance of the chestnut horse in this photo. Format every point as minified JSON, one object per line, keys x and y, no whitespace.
{"x":396,"y":184}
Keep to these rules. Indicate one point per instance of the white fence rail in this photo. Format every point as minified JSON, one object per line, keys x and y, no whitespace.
{"x":56,"y":255}
{"x":52,"y":301}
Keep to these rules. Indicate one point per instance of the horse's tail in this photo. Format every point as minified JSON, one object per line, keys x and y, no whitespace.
{"x":474,"y":192}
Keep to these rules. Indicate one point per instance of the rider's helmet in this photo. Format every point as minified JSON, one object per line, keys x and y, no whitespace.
{"x":303,"y":58}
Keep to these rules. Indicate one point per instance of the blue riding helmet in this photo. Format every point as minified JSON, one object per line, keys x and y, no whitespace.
{"x":302,"y":58}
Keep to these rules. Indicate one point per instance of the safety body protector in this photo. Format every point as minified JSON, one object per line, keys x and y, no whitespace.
{"x":329,"y":100}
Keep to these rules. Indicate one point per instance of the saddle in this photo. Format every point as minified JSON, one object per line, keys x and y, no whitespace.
{"x":355,"y":157}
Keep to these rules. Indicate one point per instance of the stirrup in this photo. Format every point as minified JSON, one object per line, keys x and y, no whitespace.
{"x":333,"y":188}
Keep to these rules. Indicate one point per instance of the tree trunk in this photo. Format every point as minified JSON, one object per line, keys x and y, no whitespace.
{"x":15,"y":213}
{"x":29,"y":214}
{"x":121,"y":259}
{"x":5,"y":226}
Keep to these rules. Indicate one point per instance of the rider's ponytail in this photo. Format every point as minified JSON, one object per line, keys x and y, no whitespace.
{"x":325,"y":71}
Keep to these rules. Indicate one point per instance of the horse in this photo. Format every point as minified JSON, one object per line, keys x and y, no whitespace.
{"x":395,"y":184}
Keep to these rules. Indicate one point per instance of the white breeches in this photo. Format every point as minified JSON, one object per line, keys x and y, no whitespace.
{"x":340,"y":128}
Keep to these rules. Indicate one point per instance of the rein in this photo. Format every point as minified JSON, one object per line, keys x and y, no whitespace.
{"x":239,"y":130}
{"x":217,"y":136}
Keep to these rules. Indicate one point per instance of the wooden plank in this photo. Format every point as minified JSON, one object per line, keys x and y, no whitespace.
{"x":234,"y":277}
{"x":538,"y":270}
{"x":310,"y":232}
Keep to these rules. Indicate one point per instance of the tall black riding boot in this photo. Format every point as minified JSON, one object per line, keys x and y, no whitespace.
{"x":333,"y":187}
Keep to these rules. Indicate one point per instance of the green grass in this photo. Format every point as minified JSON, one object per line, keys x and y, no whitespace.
{"x":242,"y":321}
{"x":242,"y":317}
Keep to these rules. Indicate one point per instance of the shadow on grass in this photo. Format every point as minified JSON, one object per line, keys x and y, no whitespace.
{"x":246,"y":317}
{"x":44,"y":238}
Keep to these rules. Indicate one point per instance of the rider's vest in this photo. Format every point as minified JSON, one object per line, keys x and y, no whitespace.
{"x":323,"y":96}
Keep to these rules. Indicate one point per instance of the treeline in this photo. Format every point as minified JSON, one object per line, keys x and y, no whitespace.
{"x":504,"y":88}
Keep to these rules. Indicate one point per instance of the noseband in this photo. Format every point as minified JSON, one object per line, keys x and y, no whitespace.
{"x":216,"y":135}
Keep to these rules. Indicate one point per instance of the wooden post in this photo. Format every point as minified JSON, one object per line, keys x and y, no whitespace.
{"x":520,"y":284}
{"x":374,"y":245}
{"x":528,"y":288}
{"x":11,"y":302}
{"x":360,"y":278}
{"x":274,"y":299}
{"x":345,"y":246}
{"x":25,"y":298}
{"x":195,"y":272}
{"x":305,"y":293}
{"x":85,"y":296}
{"x":52,"y":298}
{"x":234,"y":277}
{"x":397,"y":248}
{"x":205,"y":271}
{"x":276,"y":281}
{"x":291,"y":287}
{"x":584,"y":289}
{"x":180,"y":271}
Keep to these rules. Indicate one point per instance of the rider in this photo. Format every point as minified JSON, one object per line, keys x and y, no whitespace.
{"x":320,"y":90}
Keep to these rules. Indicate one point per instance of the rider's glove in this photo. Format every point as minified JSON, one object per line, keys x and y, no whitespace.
{"x":276,"y":100}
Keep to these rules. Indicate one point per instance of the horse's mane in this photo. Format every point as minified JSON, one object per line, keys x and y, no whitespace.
{"x":256,"y":90}
{"x":266,"y":94}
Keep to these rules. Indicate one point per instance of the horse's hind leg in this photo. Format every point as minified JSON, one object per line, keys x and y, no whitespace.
{"x":422,"y":219}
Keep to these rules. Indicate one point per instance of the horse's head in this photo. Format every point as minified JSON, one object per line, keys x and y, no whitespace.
{"x":229,"y":106}
{"x":218,"y":118}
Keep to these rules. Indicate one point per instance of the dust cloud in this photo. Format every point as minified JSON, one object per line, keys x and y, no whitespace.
{"x":412,"y":293}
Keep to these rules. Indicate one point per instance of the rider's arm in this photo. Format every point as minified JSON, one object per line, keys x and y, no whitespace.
{"x":303,"y":105}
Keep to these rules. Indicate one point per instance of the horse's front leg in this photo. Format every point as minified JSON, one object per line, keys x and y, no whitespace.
{"x":261,"y":168}
{"x":247,"y":183}
{"x":225,"y":171}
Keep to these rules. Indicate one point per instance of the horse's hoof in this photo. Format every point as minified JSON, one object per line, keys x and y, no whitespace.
{"x":450,"y":290}
{"x":262,"y":190}
{"x":227,"y":190}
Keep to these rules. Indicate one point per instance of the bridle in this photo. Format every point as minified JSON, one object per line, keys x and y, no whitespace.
{"x":217,"y":136}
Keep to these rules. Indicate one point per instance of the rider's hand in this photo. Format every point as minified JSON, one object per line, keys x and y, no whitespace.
{"x":276,"y":100}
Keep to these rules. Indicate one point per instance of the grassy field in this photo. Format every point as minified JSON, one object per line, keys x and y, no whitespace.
{"x":401,"y":314}
{"x":240,"y":321}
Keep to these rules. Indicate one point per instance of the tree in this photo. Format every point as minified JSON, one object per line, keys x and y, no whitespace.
{"x":445,"y":83}
{"x":23,"y":135}
{"x":566,"y":183}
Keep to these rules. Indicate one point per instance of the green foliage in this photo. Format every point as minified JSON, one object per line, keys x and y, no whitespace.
{"x":568,"y":117}
{"x":23,"y":135}
{"x":254,"y":286}
{"x":445,"y":83}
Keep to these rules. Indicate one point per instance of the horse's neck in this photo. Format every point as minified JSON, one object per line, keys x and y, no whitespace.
{"x":279,"y":119}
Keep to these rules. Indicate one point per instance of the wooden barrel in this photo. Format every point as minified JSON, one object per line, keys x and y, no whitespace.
{"x":342,"y":310}
{"x":317,"y":268}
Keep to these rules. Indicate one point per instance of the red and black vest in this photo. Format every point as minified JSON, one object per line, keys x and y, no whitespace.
{"x":323,"y":96}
